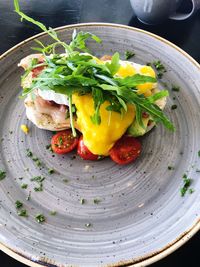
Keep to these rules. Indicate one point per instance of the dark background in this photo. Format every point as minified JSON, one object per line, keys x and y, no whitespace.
{"x":54,"y":13}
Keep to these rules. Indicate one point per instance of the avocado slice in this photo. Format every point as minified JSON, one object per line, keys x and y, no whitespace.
{"x":137,"y":130}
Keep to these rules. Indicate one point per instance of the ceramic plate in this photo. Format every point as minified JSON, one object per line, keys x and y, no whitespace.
{"x":141,"y":216}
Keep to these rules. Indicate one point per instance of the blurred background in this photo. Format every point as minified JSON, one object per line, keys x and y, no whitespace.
{"x":55,"y":13}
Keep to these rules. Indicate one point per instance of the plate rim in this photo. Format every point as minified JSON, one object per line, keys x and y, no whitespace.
{"x":148,"y":258}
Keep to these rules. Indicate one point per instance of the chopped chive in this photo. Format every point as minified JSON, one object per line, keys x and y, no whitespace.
{"x":65,"y":180}
{"x":60,"y":140}
{"x":38,"y":179}
{"x":199,"y":153}
{"x":29,"y":196}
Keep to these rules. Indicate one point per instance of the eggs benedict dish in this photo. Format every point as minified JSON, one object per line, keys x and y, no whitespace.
{"x":49,"y":110}
{"x":108,"y":101}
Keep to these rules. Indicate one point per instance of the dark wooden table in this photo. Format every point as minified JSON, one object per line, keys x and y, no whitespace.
{"x":54,"y":13}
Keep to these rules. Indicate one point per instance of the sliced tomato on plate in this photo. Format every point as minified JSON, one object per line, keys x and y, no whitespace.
{"x":125,"y":150}
{"x":84,"y":152}
{"x":64,"y":142}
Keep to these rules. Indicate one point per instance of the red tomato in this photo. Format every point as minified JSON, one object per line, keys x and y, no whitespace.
{"x":63,"y":142}
{"x":125,"y":150}
{"x":36,"y":71}
{"x":84,"y":152}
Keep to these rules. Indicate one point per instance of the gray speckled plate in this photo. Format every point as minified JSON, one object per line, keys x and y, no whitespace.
{"x":141,"y":216}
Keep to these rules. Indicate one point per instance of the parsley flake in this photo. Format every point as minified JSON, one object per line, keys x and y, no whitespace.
{"x":186,"y":184}
{"x":175,"y":88}
{"x":96,"y":201}
{"x":18,"y":204}
{"x":170,"y":168}
{"x":24,"y":186}
{"x":40,"y":218}
{"x":82,"y":201}
{"x":2,"y":175}
{"x":129,"y":54}
{"x":88,"y":225}
{"x":174,"y":107}
{"x":53,"y":212}
{"x":51,"y":171}
{"x":22,"y":213}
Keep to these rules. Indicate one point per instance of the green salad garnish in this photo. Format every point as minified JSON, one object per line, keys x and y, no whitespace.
{"x":76,"y":71}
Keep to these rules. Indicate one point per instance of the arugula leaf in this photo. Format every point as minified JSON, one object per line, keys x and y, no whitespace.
{"x":158,"y":95}
{"x":132,"y":81}
{"x":138,"y":115}
{"x":78,"y":40}
{"x":156,"y":113}
{"x":49,"y":31}
{"x":114,"y":65}
{"x":71,"y":116}
{"x":74,"y":72}
{"x":98,"y":100}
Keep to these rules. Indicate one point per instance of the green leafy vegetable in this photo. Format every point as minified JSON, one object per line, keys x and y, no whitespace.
{"x":22,"y":213}
{"x":78,"y":40}
{"x":18,"y":204}
{"x":96,"y":201}
{"x":186,"y":184}
{"x":80,"y":73}
{"x":129,"y":54}
{"x":82,"y":201}
{"x":53,"y":212}
{"x":40,"y":218}
{"x":51,"y":171}
{"x":2,"y":175}
{"x":24,"y":186}
{"x":174,"y":107}
{"x":88,"y":224}
{"x":114,"y":65}
{"x":175,"y":88}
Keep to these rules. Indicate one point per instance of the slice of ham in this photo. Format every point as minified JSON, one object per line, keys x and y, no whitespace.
{"x":26,"y":62}
{"x":106,"y":57}
{"x":56,"y":111}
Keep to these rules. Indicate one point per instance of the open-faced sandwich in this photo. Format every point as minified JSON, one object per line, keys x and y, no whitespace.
{"x":105,"y":102}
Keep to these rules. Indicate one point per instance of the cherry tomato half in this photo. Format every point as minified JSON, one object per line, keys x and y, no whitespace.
{"x":125,"y":150}
{"x":84,"y":152}
{"x":63,"y":142}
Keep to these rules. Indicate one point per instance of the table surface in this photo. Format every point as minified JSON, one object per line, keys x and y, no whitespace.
{"x":54,"y":13}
